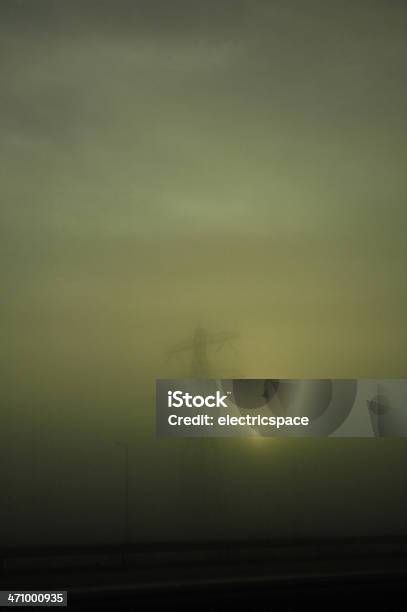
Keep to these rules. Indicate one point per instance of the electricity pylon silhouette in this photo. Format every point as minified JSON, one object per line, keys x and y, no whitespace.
{"x":201,"y":459}
{"x":199,"y":348}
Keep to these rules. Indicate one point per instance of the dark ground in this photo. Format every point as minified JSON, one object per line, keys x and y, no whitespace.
{"x":362,"y":572}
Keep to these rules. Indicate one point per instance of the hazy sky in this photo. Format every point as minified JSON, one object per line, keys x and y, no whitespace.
{"x":234,"y":162}
{"x":239,"y":163}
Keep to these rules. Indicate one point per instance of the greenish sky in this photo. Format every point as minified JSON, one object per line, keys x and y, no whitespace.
{"x":237,"y":161}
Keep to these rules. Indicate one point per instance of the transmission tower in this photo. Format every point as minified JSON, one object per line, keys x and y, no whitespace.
{"x":199,"y":349}
{"x":202,"y":459}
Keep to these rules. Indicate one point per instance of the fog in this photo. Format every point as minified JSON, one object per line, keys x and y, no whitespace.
{"x":235,"y":164}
